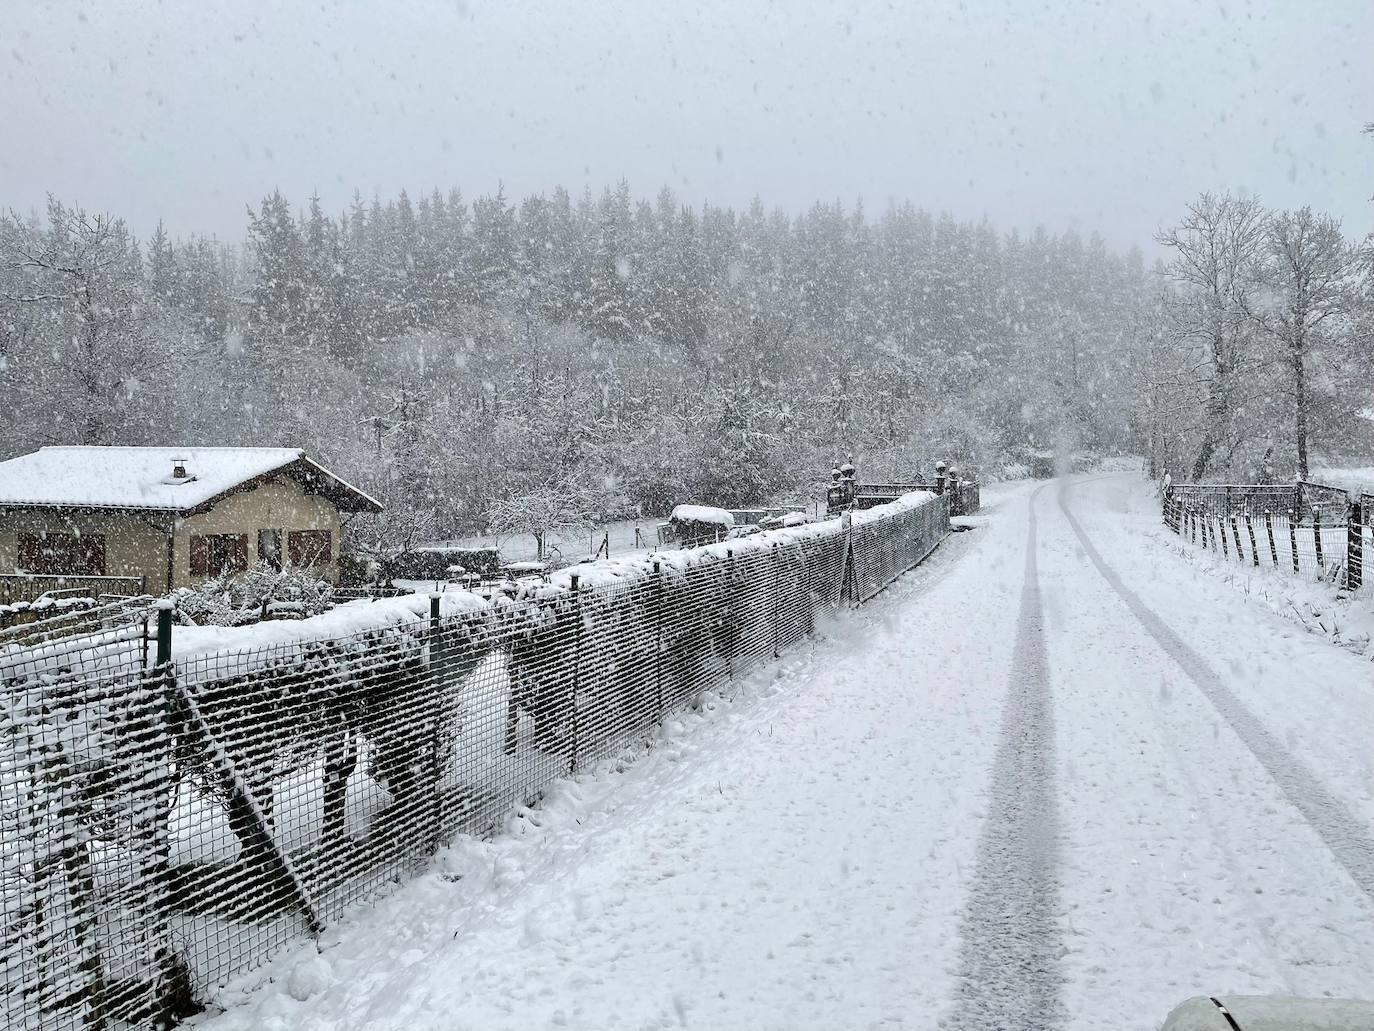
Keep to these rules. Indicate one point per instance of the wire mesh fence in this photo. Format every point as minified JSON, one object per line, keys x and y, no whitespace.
{"x":1303,"y":499}
{"x":1322,"y":531}
{"x":169,"y":822}
{"x":27,"y":587}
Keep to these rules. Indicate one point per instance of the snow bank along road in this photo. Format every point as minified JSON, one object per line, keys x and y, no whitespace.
{"x":1058,"y":777}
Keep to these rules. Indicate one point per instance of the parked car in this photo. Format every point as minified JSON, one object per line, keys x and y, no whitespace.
{"x":1270,"y":1013}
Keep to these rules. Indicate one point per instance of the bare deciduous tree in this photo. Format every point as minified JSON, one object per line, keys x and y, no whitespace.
{"x":1311,"y":272}
{"x":542,"y":510}
{"x":82,"y":277}
{"x":1216,"y":248}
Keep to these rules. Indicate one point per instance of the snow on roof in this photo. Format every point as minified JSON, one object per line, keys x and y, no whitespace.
{"x":139,"y":477}
{"x":703,"y":514}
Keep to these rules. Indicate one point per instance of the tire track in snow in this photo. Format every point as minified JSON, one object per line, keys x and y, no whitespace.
{"x":1010,"y":936}
{"x":1333,"y":821}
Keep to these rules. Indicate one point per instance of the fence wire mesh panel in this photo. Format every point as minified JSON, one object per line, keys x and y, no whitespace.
{"x":1325,"y":538}
{"x":27,"y":588}
{"x":93,"y":640}
{"x":1222,"y":499}
{"x":86,"y":782}
{"x":167,"y":827}
{"x":966,"y":499}
{"x":884,"y":549}
{"x":618,"y":682}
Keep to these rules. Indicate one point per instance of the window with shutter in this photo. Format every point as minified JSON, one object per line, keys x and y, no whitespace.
{"x":30,"y":552}
{"x":216,"y":553}
{"x":309,"y":547}
{"x":200,"y":557}
{"x":62,"y":554}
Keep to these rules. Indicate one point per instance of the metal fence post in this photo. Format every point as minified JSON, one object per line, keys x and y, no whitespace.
{"x":576,"y":585}
{"x":438,"y":662}
{"x":658,"y":638}
{"x":777,"y":651}
{"x":1354,"y":547}
{"x":172,"y":995}
{"x":848,"y":578}
{"x":1293,"y":539}
{"x":730,"y":613}
{"x":1317,"y":537}
{"x":164,"y":634}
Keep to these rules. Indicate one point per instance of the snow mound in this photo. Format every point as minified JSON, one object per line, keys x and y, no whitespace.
{"x":310,"y":976}
{"x":702,"y":514}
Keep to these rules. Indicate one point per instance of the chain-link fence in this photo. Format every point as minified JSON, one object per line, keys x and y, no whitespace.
{"x":1306,"y":528}
{"x":168,"y":823}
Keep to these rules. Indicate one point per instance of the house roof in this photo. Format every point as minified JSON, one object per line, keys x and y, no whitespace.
{"x":141,"y":477}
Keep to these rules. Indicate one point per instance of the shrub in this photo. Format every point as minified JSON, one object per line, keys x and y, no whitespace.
{"x":232,"y":600}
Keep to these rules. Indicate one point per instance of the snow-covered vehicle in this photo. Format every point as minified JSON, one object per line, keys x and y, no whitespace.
{"x":1270,"y":1013}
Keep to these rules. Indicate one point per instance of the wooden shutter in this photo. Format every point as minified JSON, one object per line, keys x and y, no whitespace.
{"x":238,"y":551}
{"x":310,"y":547}
{"x":30,"y":552}
{"x":200,"y":556}
{"x":62,"y":554}
{"x":92,"y":554}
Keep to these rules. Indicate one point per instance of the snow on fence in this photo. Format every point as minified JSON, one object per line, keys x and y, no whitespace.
{"x":1301,"y":528}
{"x":166,"y":824}
{"x":28,"y":587}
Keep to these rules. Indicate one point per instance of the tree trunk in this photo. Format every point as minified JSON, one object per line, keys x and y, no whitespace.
{"x":1300,"y":405}
{"x":1204,"y":456}
{"x":93,"y":428}
{"x":1217,"y":409}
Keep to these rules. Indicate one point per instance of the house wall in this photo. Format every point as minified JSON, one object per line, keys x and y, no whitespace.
{"x":136,"y":546}
{"x":278,"y":504}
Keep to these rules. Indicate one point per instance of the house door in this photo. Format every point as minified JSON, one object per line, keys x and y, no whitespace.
{"x":269,"y":547}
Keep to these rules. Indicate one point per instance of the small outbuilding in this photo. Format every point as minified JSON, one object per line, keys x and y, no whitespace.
{"x":694,"y":525}
{"x":167,"y":517}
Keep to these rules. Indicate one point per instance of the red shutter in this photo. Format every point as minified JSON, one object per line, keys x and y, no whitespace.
{"x":92,"y":554}
{"x":30,"y":552}
{"x":200,"y":556}
{"x":239,"y":552}
{"x":309,"y":547}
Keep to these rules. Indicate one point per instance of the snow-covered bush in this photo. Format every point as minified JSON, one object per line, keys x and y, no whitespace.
{"x":234,"y":599}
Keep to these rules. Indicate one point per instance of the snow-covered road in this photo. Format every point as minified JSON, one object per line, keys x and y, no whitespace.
{"x":1055,"y":777}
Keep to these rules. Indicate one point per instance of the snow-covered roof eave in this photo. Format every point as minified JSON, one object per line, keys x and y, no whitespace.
{"x":121,"y":472}
{"x":69,"y":506}
{"x":370,"y":504}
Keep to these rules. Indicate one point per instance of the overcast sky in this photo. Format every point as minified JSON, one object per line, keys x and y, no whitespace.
{"x":1104,"y":116}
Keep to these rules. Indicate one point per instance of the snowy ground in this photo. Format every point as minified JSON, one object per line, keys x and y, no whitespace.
{"x":573,"y":544}
{"x":1010,"y":792}
{"x":627,"y":536}
{"x":1352,"y":478}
